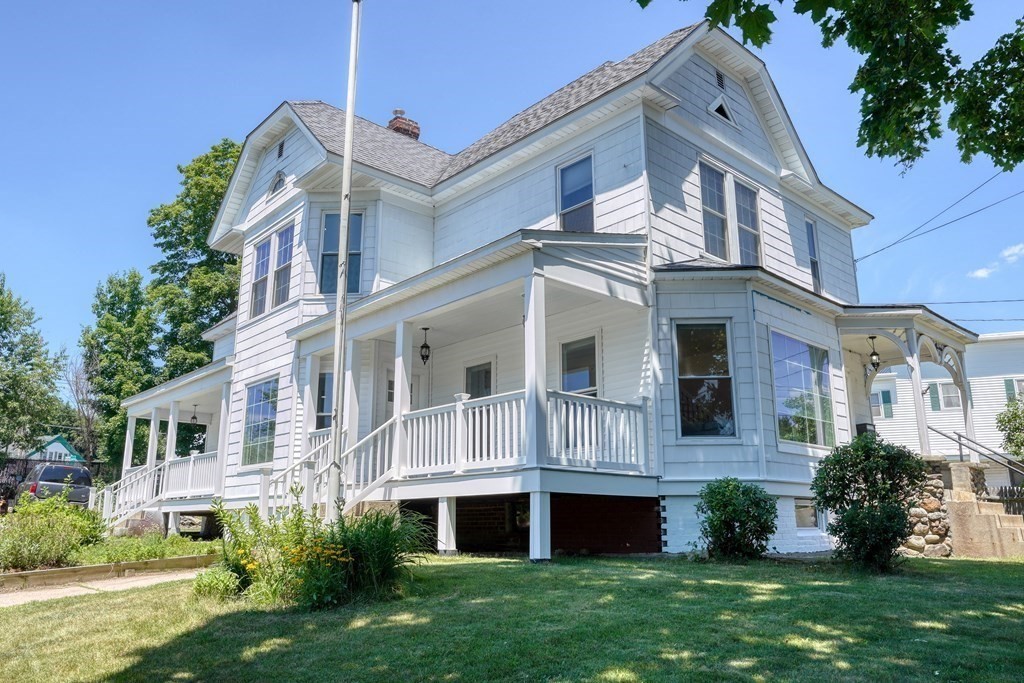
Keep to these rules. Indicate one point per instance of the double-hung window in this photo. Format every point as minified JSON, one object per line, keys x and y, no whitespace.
{"x":283,"y":268}
{"x":704,"y":380}
{"x":260,"y":423}
{"x":746,"y":220}
{"x":260,"y":275}
{"x":881,"y":404}
{"x":950,"y":396}
{"x":576,"y":196}
{"x":712,"y":192}
{"x":325,"y":400}
{"x":812,"y":250}
{"x":579,"y":367}
{"x":803,"y":395}
{"x":329,"y":254}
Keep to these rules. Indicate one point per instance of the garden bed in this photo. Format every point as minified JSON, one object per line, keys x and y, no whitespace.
{"x":92,"y":572}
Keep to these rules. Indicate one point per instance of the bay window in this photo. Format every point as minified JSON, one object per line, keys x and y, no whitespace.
{"x":712,"y":193}
{"x":803,"y":395}
{"x":260,"y":275}
{"x":283,"y":268}
{"x":329,"y":253}
{"x":704,"y":380}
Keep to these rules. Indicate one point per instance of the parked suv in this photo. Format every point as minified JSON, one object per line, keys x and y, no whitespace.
{"x":47,"y":479}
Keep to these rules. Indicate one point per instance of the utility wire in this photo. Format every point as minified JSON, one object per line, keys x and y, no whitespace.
{"x":910,"y":234}
{"x":978,"y":301}
{"x":988,"y":320}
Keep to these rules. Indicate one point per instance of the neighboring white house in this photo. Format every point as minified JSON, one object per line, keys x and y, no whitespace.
{"x":995,"y":368}
{"x":634,"y":286}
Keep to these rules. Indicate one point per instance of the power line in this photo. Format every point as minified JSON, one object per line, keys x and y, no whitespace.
{"x":988,"y":320}
{"x":912,"y":232}
{"x":978,"y":301}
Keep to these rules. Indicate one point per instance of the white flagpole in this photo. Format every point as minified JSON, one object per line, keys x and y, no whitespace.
{"x":337,"y":445}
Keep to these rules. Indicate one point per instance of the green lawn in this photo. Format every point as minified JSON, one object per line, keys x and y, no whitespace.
{"x":474,"y":619}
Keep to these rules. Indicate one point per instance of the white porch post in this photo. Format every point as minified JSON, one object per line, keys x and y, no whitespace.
{"x":540,"y":526}
{"x":154,"y":438}
{"x":446,"y":527}
{"x":535,"y":337}
{"x":222,"y":436}
{"x":129,"y":446}
{"x":353,"y":363}
{"x":965,"y":403}
{"x":172,"y":431}
{"x":403,"y":397}
{"x":914,"y":365}
{"x":309,"y":389}
{"x":173,"y":523}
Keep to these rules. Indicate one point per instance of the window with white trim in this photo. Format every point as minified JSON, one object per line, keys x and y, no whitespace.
{"x":807,"y":515}
{"x":712,"y":192}
{"x":579,"y":367}
{"x":325,"y":400}
{"x":749,"y":230}
{"x":950,"y":396}
{"x":704,"y":380}
{"x":283,"y":267}
{"x":329,"y":253}
{"x":812,"y":250}
{"x":260,"y":423}
{"x":277,"y":184}
{"x":260,"y":277}
{"x":576,"y":196}
{"x":803,"y":394}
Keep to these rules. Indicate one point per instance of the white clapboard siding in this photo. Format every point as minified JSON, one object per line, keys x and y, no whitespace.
{"x":299,"y":157}
{"x":407,"y":241}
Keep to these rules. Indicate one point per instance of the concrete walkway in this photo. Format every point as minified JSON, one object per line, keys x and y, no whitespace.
{"x":121,"y":583}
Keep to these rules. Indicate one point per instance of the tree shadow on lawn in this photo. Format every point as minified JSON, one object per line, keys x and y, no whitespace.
{"x":629,"y":620}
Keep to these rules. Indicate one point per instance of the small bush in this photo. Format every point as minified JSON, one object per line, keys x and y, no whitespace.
{"x":300,"y":559}
{"x":869,"y":485}
{"x":217,"y":582}
{"x":46,"y":533}
{"x":736,"y":519}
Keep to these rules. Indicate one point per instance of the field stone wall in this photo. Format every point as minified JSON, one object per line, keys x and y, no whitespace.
{"x":929,"y":518}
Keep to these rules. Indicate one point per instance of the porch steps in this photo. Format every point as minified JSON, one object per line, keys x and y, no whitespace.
{"x":983,"y":528}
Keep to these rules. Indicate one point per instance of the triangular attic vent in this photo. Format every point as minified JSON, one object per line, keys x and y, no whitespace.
{"x":720,"y":108}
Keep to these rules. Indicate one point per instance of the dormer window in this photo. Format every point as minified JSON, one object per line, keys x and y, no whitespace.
{"x":277,"y":184}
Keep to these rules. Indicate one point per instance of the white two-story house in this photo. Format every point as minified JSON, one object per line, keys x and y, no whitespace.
{"x":557,"y":335}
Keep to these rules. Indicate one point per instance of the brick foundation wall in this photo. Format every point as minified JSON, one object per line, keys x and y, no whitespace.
{"x":604,"y":524}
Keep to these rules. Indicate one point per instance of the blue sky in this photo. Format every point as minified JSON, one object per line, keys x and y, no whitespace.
{"x":105,"y":99}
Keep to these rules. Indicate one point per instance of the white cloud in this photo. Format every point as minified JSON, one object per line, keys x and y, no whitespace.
{"x":982,"y":273}
{"x":1013,"y":254}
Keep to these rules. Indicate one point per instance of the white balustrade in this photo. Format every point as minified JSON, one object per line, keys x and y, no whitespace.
{"x":367,"y":464}
{"x":193,"y":476}
{"x":596,"y":433}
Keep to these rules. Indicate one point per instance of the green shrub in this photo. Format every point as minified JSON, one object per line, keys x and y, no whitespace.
{"x":300,"y":559}
{"x":869,"y":485}
{"x":150,"y":546}
{"x":217,"y":582}
{"x":736,"y":519}
{"x":46,"y":533}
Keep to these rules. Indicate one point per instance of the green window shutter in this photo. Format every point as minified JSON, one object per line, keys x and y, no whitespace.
{"x":970,"y":396}
{"x":886,"y":404}
{"x":1011,"y":390}
{"x":933,"y":392}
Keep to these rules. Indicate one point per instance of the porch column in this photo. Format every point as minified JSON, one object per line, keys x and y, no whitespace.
{"x":222,"y":436}
{"x":535,"y":337}
{"x":173,"y":525}
{"x":129,"y":446}
{"x":154,"y":438}
{"x":965,"y":404}
{"x":914,"y":365}
{"x":403,"y":397}
{"x":172,"y":431}
{"x":446,"y":527}
{"x":353,"y":363}
{"x":309,"y":388}
{"x":540,"y":526}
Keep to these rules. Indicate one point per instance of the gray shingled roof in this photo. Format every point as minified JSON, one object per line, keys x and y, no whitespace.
{"x":381,"y":148}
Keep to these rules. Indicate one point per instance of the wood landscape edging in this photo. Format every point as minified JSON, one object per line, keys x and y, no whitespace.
{"x":92,"y":572}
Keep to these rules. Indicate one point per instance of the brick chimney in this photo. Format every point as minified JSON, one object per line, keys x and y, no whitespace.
{"x":405,"y":126}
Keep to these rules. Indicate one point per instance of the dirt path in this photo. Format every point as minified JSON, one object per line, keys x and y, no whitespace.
{"x":121,"y":583}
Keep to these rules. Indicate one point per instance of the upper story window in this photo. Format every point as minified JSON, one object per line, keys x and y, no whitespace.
{"x":283,"y":269}
{"x":329,"y":254}
{"x":277,"y":184}
{"x":812,"y":250}
{"x":803,"y":394}
{"x":704,"y":380}
{"x":726,"y":201}
{"x":260,"y":275}
{"x":576,"y":196}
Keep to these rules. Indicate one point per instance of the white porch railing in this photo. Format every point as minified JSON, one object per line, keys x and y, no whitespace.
{"x":192,"y":476}
{"x":130,"y":494}
{"x":481,"y":433}
{"x":308,"y":473}
{"x":596,"y":433}
{"x":367,"y":464}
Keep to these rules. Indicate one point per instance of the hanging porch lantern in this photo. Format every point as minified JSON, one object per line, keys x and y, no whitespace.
{"x":424,"y":347}
{"x":876,"y":360}
{"x":195,"y":418}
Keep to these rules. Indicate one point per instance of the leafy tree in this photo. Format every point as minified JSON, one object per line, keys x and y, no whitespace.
{"x":909,"y":73}
{"x":119,"y":354}
{"x":28,"y":374}
{"x":869,"y":486}
{"x":1011,"y":424}
{"x":194,"y":286}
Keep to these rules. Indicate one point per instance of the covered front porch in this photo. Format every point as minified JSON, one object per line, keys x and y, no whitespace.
{"x":533,"y":363}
